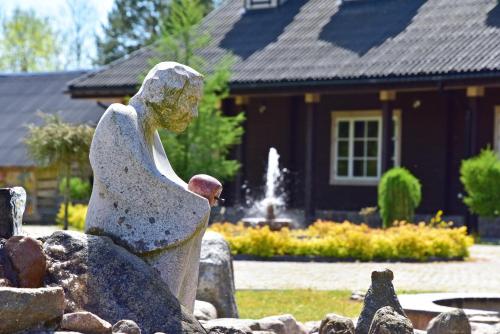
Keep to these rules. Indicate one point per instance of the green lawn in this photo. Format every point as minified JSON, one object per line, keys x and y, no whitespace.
{"x":304,"y":305}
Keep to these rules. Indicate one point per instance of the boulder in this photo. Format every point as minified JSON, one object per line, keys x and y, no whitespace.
{"x":8,"y":276}
{"x":289,"y":324}
{"x":85,"y":322}
{"x":126,"y":327}
{"x":381,"y":293}
{"x":23,"y":309}
{"x":312,"y":327}
{"x":216,"y":277}
{"x":454,"y":321}
{"x":204,"y":310}
{"x":387,"y":321}
{"x":12,"y":202}
{"x":244,"y":325}
{"x":100,"y":277}
{"x":225,"y":330}
{"x":336,"y":324}
{"x":28,"y":260}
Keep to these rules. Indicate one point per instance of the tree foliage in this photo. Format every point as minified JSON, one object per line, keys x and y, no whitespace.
{"x":399,"y":194}
{"x":204,"y":147}
{"x":59,"y":144}
{"x":28,"y":43}
{"x":80,"y":33}
{"x":131,"y":25}
{"x":480,"y":176}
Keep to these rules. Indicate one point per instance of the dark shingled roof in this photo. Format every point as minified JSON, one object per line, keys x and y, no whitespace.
{"x":318,"y":40}
{"x":22,"y":95}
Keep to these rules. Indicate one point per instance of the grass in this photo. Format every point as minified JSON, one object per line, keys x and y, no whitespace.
{"x":304,"y":305}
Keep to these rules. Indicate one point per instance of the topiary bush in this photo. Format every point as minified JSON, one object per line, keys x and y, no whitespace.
{"x":480,"y":176}
{"x":399,"y":194}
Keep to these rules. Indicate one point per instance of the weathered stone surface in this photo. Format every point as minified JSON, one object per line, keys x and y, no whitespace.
{"x":28,"y":260}
{"x":381,"y":293}
{"x":453,"y":322}
{"x":225,"y":330}
{"x":290,"y":324}
{"x":312,"y":327}
{"x":216,"y":279}
{"x":336,"y":324}
{"x":8,"y":276}
{"x":137,"y":199}
{"x":22,"y":309}
{"x":105,"y":279}
{"x":12,"y":202}
{"x":126,"y":327}
{"x":85,"y":322}
{"x":204,"y":310}
{"x":245,"y":325}
{"x":388,"y":321}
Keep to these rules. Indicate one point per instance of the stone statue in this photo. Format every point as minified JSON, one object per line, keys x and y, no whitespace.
{"x":137,"y":199}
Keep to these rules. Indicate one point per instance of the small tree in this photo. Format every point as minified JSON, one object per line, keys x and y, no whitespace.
{"x":59,"y":144}
{"x":205,"y":145}
{"x":399,"y":194}
{"x":480,"y":176}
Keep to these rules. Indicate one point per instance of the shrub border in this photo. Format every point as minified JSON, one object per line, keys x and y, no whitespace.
{"x":324,"y":259}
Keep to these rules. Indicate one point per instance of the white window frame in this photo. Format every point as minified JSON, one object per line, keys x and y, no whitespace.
{"x":496,"y":132}
{"x":343,"y":115}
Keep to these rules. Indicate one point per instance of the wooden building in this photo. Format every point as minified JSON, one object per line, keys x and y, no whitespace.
{"x":22,"y":96}
{"x":347,"y":89}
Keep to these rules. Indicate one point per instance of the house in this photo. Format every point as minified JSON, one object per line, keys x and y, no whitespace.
{"x":347,"y":89}
{"x":22,"y":96}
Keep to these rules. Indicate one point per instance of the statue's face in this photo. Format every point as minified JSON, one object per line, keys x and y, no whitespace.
{"x":177,"y":110}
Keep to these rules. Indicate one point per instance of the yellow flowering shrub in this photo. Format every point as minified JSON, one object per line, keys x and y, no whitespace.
{"x":350,"y":241}
{"x":76,"y":215}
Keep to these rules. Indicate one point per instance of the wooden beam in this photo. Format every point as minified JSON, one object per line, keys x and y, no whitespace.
{"x":475,"y":91}
{"x":387,"y":98}
{"x":312,"y":101}
{"x":241,"y":100}
{"x":241,"y":105}
{"x":387,"y":95}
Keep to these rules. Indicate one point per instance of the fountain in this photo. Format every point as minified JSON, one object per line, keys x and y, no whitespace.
{"x":266,"y":210}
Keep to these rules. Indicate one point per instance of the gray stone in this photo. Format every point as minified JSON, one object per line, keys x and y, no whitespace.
{"x":312,"y":327}
{"x":85,"y":322}
{"x":22,"y":309}
{"x":336,"y":324}
{"x":12,"y":202}
{"x":452,"y":322}
{"x":245,"y":325}
{"x":105,"y":279}
{"x":388,"y":321}
{"x":381,"y":293}
{"x":204,"y":310}
{"x":290,"y":324}
{"x":216,"y":279}
{"x":126,"y":327}
{"x":137,"y":199}
{"x":225,"y":330}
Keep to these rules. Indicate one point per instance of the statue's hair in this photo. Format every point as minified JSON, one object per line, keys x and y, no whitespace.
{"x":167,"y":80}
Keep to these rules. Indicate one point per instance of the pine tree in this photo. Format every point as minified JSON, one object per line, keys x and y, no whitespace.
{"x":204,"y":147}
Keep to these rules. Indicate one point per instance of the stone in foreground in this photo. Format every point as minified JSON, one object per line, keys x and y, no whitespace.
{"x":381,"y":293}
{"x":216,"y":279}
{"x":453,"y":322}
{"x":204,"y":311}
{"x":126,"y":327}
{"x":290,"y":324}
{"x":12,"y":202}
{"x":28,"y":260}
{"x":85,"y":322}
{"x":23,"y":309}
{"x":107,"y":280}
{"x":336,"y":324}
{"x":388,"y":321}
{"x":137,"y":199}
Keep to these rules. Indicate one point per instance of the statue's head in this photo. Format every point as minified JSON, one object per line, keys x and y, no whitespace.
{"x":171,"y":92}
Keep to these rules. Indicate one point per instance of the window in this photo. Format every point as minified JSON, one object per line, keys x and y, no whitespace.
{"x":263,"y":4}
{"x":357,"y":146}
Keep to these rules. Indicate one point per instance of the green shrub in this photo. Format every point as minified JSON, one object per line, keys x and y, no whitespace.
{"x":76,"y":216}
{"x":480,"y":176}
{"x":79,"y":189}
{"x":399,"y":194}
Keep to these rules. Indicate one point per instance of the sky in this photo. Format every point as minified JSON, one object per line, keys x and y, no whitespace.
{"x":57,"y":12}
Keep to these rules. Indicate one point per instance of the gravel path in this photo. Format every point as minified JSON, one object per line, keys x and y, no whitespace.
{"x":481,"y":273}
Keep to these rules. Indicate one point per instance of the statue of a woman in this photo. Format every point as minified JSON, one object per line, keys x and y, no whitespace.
{"x":137,"y":198}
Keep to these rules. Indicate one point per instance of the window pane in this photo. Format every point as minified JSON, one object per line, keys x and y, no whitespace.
{"x":342,"y":168}
{"x":343,"y":131}
{"x":359,"y":148}
{"x":372,"y":129}
{"x":371,"y":168}
{"x":372,"y":148}
{"x":359,"y":168}
{"x":343,"y":148}
{"x":359,"y":129}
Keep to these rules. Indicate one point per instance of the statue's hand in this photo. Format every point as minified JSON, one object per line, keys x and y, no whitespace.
{"x":206,"y":186}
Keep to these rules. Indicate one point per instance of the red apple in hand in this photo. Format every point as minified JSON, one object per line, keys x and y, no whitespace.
{"x":206,"y":186}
